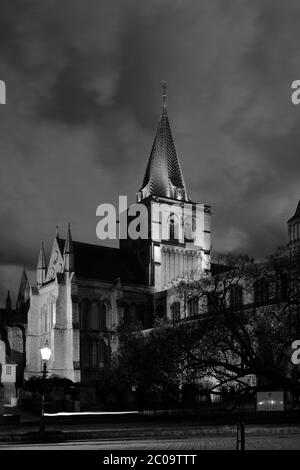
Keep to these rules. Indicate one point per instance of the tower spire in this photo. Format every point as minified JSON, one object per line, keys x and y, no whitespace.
{"x":69,"y":252}
{"x":41,"y":266}
{"x":163,"y":176}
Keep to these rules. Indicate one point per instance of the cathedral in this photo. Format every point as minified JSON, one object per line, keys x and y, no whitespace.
{"x":85,"y":291}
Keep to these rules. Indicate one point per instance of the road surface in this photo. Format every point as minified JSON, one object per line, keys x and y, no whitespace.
{"x":286,"y":442}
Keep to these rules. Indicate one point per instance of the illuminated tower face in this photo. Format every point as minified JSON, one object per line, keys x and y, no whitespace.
{"x":179,"y":241}
{"x":294,"y":231}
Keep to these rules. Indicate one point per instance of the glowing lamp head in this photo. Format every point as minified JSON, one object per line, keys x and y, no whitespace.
{"x":45,"y":352}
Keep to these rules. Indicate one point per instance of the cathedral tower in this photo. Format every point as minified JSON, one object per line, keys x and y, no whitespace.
{"x":179,"y":239}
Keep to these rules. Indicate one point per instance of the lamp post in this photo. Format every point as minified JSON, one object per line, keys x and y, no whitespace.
{"x":46,"y":354}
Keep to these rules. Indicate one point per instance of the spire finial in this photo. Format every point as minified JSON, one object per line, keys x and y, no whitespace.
{"x":56,"y":231}
{"x":164,"y":94}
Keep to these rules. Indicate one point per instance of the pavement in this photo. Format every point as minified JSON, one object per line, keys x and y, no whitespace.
{"x":68,"y":431}
{"x":178,"y":445}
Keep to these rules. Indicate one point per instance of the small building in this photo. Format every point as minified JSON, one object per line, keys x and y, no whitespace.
{"x":7,"y":377}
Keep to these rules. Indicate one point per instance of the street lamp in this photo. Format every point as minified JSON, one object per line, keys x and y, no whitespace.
{"x":46,"y":354}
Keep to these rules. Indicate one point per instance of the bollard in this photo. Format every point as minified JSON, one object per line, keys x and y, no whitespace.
{"x":240,"y":436}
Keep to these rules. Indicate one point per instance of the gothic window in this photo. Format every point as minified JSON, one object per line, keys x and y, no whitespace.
{"x":193,"y":307}
{"x":173,"y":228}
{"x":84,"y":352}
{"x":103,"y":353}
{"x":94,"y":316}
{"x":90,"y":353}
{"x":236,"y":297}
{"x":94,"y":354}
{"x":103,"y":319}
{"x":84,"y":314}
{"x":261,"y":292}
{"x":175,"y":311}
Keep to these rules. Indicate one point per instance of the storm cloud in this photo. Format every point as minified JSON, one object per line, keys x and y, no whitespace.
{"x":83,"y":101}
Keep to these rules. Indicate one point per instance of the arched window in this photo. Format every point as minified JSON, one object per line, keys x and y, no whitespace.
{"x":94,"y":316}
{"x":84,"y":314}
{"x":103,"y":352}
{"x":90,"y":353}
{"x":175,"y":311}
{"x":173,"y":227}
{"x":84,"y":352}
{"x":193,"y":307}
{"x":261,"y":292}
{"x":95,"y":362}
{"x":103,"y":310}
{"x":236,"y":297}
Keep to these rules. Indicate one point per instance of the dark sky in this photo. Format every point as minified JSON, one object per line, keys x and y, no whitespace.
{"x":83,"y":101}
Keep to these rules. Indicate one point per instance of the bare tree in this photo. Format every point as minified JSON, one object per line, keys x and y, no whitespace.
{"x":241,"y":337}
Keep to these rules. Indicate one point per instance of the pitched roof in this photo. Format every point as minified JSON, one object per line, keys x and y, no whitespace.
{"x":163,"y":173}
{"x":297,"y":214}
{"x":106,"y":263}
